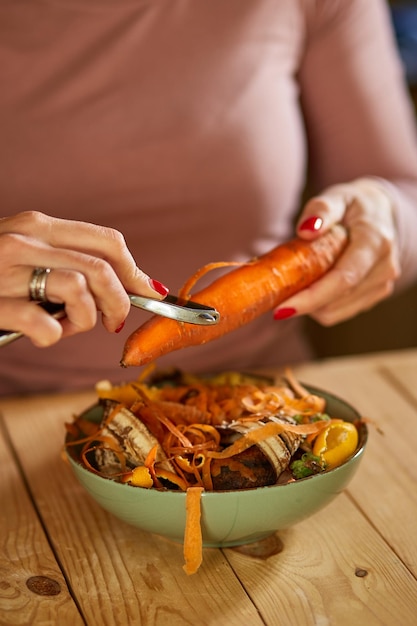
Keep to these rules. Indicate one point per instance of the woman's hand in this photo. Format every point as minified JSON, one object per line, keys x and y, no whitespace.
{"x":91,"y":270}
{"x":367,"y":270}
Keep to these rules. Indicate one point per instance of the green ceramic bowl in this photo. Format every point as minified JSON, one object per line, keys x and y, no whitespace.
{"x":229,"y":518}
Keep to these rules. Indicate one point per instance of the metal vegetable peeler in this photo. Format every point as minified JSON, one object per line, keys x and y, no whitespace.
{"x":172,"y":307}
{"x":177,"y":309}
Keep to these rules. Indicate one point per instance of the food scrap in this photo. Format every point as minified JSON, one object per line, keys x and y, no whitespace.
{"x":182,"y":432}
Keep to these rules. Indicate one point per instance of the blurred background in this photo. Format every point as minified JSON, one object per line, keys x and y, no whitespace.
{"x":391,"y":325}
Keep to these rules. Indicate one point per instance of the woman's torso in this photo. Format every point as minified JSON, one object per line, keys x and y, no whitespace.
{"x":174,"y":121}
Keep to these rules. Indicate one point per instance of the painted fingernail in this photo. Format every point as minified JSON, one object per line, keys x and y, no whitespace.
{"x":158,"y":287}
{"x":119,"y":328}
{"x":285,"y":313}
{"x":312,"y":223}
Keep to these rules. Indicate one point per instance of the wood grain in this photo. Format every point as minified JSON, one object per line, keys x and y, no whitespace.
{"x":353,"y":563}
{"x":32,"y":587}
{"x":385,"y":487}
{"x":119,"y":574}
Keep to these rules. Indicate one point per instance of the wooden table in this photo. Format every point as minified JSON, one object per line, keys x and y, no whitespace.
{"x":63,"y":560}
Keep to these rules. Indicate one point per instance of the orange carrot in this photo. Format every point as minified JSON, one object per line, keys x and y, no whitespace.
{"x":240,"y":296}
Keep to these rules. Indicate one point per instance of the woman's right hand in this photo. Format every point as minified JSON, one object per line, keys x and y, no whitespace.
{"x":91,"y":270}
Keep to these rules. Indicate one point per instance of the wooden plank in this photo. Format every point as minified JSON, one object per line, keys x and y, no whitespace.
{"x":385,"y":488}
{"x":32,"y":587}
{"x":403,"y":373}
{"x":333,"y":569}
{"x":119,"y":574}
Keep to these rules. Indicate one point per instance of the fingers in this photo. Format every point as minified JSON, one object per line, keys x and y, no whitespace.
{"x":368,"y":269}
{"x":348,"y":306}
{"x":363,"y":201}
{"x":31,"y":320}
{"x":63,"y":286}
{"x":97,"y":242}
{"x":321,"y":212}
{"x":92,"y":268}
{"x":341,"y":294}
{"x":83,"y":282}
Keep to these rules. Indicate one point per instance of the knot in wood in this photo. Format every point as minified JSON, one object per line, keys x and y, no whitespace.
{"x":43,"y":586}
{"x":361,"y":573}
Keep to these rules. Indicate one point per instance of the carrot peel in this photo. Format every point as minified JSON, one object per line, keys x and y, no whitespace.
{"x":193,"y":538}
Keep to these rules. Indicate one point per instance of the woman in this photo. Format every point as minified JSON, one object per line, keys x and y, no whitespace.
{"x":190,"y":128}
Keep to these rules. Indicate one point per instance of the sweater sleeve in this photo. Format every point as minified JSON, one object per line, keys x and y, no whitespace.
{"x":359,"y":117}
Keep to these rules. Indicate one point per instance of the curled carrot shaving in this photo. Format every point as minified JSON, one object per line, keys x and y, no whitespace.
{"x":260,"y":434}
{"x":324,"y":424}
{"x":295,"y":384}
{"x":206,"y":475}
{"x":263,"y":401}
{"x":150,"y":463}
{"x":302,"y":392}
{"x":107,"y":444}
{"x":173,"y":429}
{"x":193,"y":539}
{"x":151,"y":457}
{"x":191,"y":460}
{"x":184,"y":292}
{"x":163,"y":474}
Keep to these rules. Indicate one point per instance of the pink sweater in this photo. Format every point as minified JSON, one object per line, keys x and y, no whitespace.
{"x":186,"y":125}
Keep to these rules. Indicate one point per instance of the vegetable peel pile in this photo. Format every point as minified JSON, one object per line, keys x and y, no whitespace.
{"x":195,"y":434}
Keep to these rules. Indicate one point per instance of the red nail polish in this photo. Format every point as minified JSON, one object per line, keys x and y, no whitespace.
{"x":312,"y":223}
{"x":159,"y":287}
{"x":119,"y":328}
{"x":283,"y":314}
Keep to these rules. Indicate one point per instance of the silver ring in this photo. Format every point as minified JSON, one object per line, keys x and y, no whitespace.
{"x":37,"y":285}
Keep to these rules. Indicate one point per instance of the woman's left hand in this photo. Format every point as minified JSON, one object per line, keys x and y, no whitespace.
{"x":367,"y":270}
